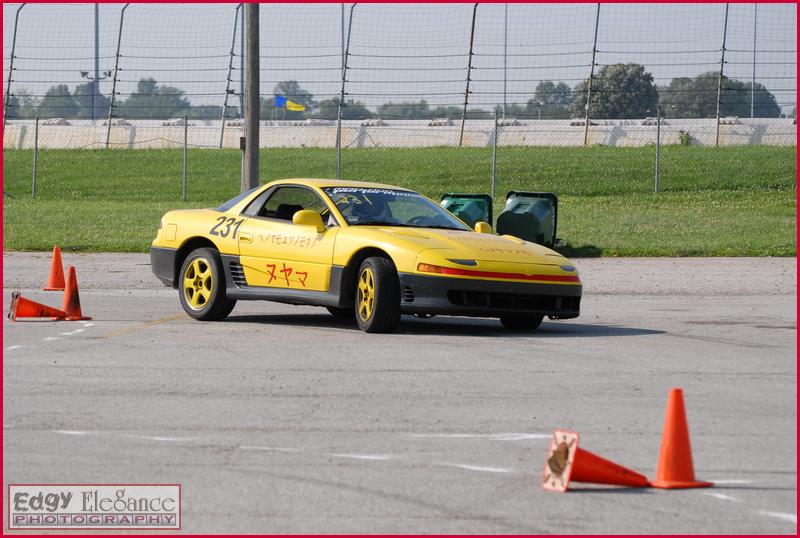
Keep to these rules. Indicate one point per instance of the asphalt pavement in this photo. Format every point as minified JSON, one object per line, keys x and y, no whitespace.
{"x":284,"y":419}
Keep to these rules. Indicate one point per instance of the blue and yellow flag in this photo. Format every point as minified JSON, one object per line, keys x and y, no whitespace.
{"x":294,"y":107}
{"x":283,"y":102}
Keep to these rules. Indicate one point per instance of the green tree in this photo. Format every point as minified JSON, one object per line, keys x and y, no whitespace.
{"x":697,"y":98}
{"x":58,"y":103}
{"x":12,"y":107}
{"x":409,"y":110}
{"x":513,"y":110}
{"x":452,"y":112}
{"x":151,"y":101}
{"x":478,"y":114}
{"x":211,"y":112}
{"x":328,"y":109}
{"x":83,"y":96}
{"x":618,"y":91}
{"x":27,"y":106}
{"x":551,"y":100}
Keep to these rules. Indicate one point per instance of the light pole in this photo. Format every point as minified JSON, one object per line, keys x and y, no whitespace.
{"x":95,"y":80}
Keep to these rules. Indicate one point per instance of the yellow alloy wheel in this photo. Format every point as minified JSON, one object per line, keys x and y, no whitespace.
{"x":198,"y":283}
{"x":366,"y":293}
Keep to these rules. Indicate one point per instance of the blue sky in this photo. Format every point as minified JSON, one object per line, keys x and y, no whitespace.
{"x":401,"y":52}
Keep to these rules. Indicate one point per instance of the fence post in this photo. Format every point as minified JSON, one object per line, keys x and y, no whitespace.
{"x":505,"y":58}
{"x":494,"y":154}
{"x":753,"y":83}
{"x":469,"y":75}
{"x":228,"y":90}
{"x":342,"y":31}
{"x":591,"y":78}
{"x":35,"y":156}
{"x":345,"y":57}
{"x":11,"y":68}
{"x":185,"y":157}
{"x":658,"y":144}
{"x":116,"y":71}
{"x":721,"y":71}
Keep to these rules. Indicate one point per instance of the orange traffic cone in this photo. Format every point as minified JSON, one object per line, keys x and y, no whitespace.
{"x":567,"y":462}
{"x":25,"y":308}
{"x":675,"y":468}
{"x":72,"y":301}
{"x":56,"y":280}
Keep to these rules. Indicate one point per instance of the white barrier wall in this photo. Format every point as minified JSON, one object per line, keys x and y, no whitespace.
{"x":411,"y":133}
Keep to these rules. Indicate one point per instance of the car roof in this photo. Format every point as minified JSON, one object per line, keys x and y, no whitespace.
{"x":321,"y":183}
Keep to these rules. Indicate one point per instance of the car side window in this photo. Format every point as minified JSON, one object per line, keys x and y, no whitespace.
{"x":284,"y":202}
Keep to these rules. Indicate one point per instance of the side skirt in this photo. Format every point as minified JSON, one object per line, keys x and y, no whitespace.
{"x":237,"y":288}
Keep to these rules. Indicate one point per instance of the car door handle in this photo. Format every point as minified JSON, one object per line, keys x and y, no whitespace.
{"x":245,"y":238}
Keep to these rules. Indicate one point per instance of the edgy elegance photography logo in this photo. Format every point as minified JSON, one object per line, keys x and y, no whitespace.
{"x":94,"y":506}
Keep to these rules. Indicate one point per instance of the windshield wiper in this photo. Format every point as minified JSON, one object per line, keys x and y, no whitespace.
{"x":441,"y":227}
{"x":404,"y":225}
{"x":381,"y":223}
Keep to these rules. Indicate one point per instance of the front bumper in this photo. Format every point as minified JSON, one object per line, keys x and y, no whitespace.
{"x":162,"y":262}
{"x":422,"y":294}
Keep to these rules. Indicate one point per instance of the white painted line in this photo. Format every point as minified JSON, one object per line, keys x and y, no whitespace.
{"x":73,"y":432}
{"x":87,"y":323}
{"x":477,"y":468}
{"x":76,"y":331}
{"x":268,"y":448}
{"x":51,"y":338}
{"x":164,"y":439}
{"x":490,"y":436}
{"x":731,"y":481}
{"x":375,"y":457}
{"x":721,"y":496}
{"x":520,"y":436}
{"x":9,"y":348}
{"x":792,"y":518}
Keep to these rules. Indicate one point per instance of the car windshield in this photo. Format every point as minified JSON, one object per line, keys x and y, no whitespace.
{"x":363,"y":206}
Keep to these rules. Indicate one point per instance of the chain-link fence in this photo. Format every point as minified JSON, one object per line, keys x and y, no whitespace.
{"x":497,"y":81}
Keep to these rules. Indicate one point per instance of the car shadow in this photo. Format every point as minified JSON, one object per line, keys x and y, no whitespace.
{"x":301,"y":320}
{"x":451,"y":326}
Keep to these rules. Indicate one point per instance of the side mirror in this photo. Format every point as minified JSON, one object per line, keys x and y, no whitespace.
{"x":483,"y":227}
{"x":307,"y":217}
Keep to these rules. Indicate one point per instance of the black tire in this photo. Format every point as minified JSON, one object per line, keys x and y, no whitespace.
{"x":341,"y":313}
{"x":201,"y":286}
{"x":521,"y":322}
{"x":377,"y":297}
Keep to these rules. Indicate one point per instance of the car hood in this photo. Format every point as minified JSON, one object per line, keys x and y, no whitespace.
{"x":456,"y":244}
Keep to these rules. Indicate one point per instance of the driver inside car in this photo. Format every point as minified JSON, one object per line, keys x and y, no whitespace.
{"x":373,"y":210}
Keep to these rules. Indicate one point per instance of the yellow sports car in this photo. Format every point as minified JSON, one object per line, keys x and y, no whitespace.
{"x":362,"y":250}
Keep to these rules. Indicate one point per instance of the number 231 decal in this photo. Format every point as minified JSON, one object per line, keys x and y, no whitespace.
{"x":223,"y":227}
